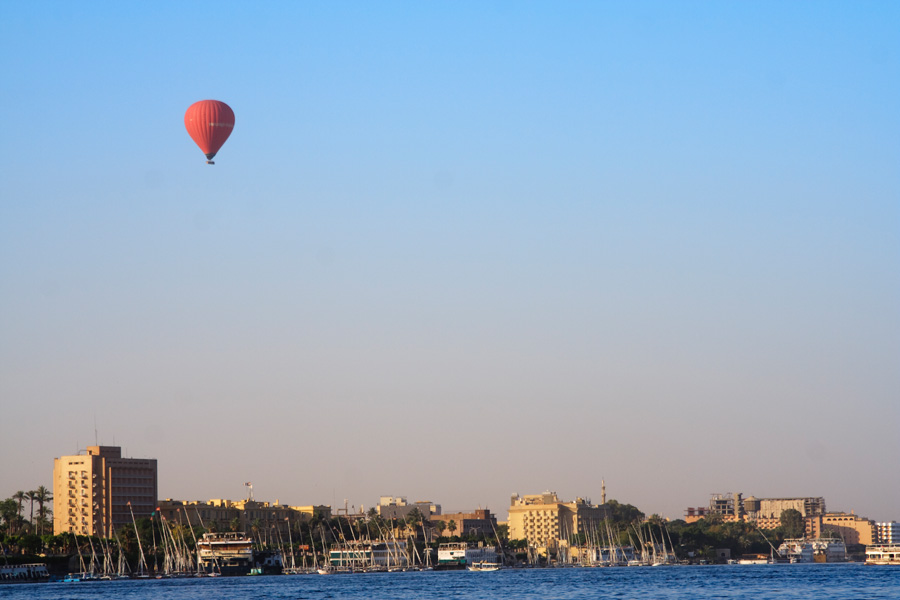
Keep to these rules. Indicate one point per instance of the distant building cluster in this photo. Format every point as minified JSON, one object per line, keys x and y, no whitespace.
{"x":767,"y":512}
{"x":100,"y":492}
{"x":269,"y":519}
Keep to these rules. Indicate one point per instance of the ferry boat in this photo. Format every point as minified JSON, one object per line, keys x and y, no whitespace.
{"x":228,"y":553}
{"x":452,"y":555}
{"x":232,"y":553}
{"x":813,"y":551}
{"x":27,"y":573}
{"x":365,"y":555}
{"x":883,"y":554}
{"x":458,"y":555}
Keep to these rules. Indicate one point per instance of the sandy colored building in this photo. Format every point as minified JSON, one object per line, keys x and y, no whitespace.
{"x":544,"y":520}
{"x":851,"y":528}
{"x":94,"y":493}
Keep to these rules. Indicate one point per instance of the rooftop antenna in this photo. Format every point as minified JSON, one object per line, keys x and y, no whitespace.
{"x":250,"y":485}
{"x":96,"y":443}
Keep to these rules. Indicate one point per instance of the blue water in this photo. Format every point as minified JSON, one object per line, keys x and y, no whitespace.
{"x":754,"y":582}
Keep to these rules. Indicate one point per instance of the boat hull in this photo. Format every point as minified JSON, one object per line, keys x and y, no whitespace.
{"x":30,"y":573}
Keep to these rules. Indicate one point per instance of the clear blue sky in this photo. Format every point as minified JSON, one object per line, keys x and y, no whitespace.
{"x":456,"y":250}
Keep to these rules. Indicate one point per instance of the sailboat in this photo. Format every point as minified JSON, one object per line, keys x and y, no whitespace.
{"x":325,"y":569}
{"x":142,"y":561}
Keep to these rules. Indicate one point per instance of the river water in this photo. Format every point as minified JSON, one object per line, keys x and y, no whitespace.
{"x":756,"y":582}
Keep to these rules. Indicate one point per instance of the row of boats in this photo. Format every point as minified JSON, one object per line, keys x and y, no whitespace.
{"x":792,"y":551}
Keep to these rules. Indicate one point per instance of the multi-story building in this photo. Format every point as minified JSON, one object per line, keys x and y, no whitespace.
{"x":95,"y":493}
{"x":478,"y":522}
{"x":766,"y":512}
{"x":888,"y":533}
{"x":727,"y":505}
{"x":734,"y":507}
{"x":851,"y":528}
{"x":544,"y":520}
{"x":692,"y":513}
{"x":771,"y":508}
{"x":390,"y":507}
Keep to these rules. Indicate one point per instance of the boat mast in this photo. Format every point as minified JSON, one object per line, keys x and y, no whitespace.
{"x":142,"y":564}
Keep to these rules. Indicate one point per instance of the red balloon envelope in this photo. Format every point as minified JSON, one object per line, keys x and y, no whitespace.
{"x":209,"y":123}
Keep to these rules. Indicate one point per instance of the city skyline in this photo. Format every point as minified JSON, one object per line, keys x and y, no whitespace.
{"x":362,"y":506}
{"x":457,"y":251}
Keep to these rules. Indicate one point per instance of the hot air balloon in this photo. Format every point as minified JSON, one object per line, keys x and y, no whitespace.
{"x":209,"y":123}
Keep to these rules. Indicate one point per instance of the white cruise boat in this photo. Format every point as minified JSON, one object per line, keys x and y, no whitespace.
{"x":883,"y":554}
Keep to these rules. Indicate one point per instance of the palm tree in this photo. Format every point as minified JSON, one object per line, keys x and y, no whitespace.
{"x":31,"y":496}
{"x":255,"y":527}
{"x":451,"y":526}
{"x":414,"y":518}
{"x":42,"y":495}
{"x":20,"y":497}
{"x":8,"y":513}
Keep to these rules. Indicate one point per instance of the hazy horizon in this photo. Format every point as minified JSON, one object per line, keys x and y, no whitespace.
{"x":456,"y":251}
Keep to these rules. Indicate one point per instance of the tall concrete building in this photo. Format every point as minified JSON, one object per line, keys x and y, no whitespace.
{"x":92,"y":492}
{"x":888,"y":533}
{"x":544,"y":520}
{"x":771,"y":508}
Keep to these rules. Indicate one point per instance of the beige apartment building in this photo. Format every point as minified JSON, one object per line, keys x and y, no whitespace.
{"x":544,"y":520}
{"x":851,"y":528}
{"x":94,"y":493}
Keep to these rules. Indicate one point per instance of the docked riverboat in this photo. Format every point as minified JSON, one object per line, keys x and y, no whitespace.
{"x":232,"y":553}
{"x":813,"y":551}
{"x":28,"y":573}
{"x":883,"y":554}
{"x":459,"y":555}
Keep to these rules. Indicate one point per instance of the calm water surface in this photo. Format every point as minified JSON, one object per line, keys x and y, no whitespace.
{"x":756,"y":582}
